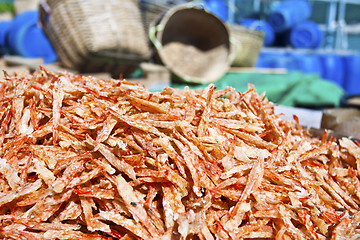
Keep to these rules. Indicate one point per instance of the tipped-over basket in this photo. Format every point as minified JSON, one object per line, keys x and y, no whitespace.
{"x":95,"y":35}
{"x":192,"y":43}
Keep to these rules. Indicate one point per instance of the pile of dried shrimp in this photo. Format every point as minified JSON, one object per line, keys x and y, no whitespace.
{"x":85,"y":158}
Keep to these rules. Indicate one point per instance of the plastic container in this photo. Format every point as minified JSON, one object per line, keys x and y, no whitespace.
{"x":4,"y":30}
{"x":333,"y":68}
{"x":27,"y":39}
{"x":307,"y":63}
{"x":352,"y":74}
{"x":306,"y":34}
{"x":218,"y":8}
{"x":260,"y":25}
{"x":275,"y":59}
{"x":289,"y":13}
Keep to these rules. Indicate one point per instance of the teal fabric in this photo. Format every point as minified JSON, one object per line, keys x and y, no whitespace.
{"x":290,"y":89}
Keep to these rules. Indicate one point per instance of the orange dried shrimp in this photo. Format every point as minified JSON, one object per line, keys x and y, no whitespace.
{"x":85,"y":158}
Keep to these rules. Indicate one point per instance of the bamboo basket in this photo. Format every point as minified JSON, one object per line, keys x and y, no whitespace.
{"x":192,"y":43}
{"x":245,"y":44}
{"x":93,"y":35}
{"x":152,"y":9}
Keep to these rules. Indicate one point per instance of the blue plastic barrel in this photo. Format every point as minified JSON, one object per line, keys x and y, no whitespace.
{"x":275,"y":59}
{"x":266,"y":59}
{"x":260,"y":25}
{"x":333,"y":68}
{"x":307,"y":63}
{"x":289,"y":13}
{"x":4,"y":30}
{"x":27,"y":39}
{"x":306,"y":34}
{"x":217,"y":7}
{"x":352,"y":74}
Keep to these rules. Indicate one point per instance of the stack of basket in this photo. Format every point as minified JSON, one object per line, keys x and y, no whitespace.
{"x":110,"y":35}
{"x":106,"y":35}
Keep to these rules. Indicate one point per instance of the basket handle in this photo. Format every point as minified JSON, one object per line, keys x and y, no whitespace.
{"x":152,"y":34}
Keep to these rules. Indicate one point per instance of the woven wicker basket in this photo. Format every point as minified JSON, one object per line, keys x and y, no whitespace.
{"x":246,"y":45}
{"x":192,"y":43}
{"x":152,"y":9}
{"x":95,"y":35}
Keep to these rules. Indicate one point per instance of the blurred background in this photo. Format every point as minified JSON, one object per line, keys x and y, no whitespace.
{"x":302,"y":53}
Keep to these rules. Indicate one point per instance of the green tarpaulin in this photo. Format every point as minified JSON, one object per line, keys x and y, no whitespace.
{"x":290,"y":89}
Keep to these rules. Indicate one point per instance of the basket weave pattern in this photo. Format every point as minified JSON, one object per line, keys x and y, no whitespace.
{"x":95,"y":33}
{"x":152,"y":10}
{"x":246,"y":45}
